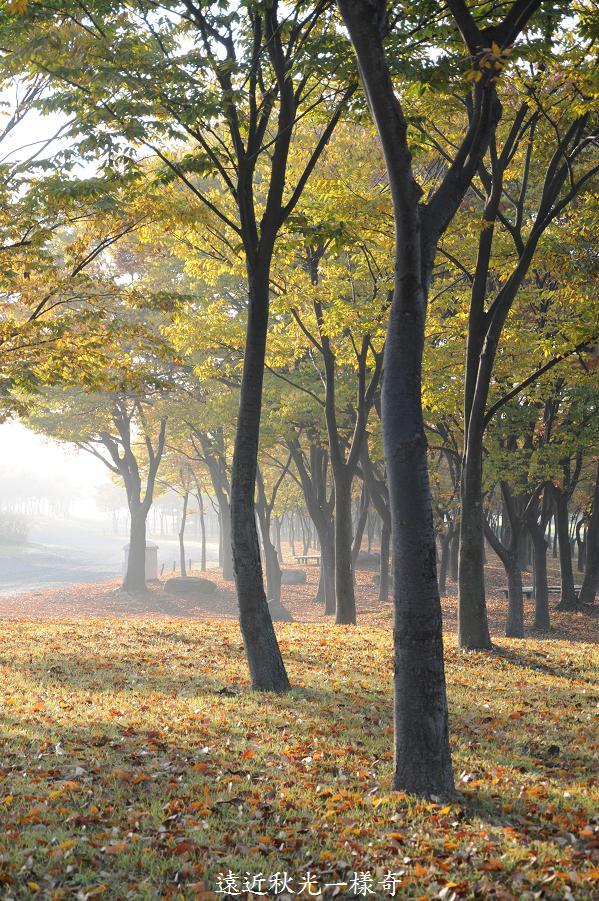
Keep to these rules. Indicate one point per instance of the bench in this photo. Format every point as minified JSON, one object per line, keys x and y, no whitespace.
{"x":529,"y":591}
{"x":306,"y":558}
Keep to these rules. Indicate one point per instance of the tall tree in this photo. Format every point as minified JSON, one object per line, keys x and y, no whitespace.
{"x":231,"y":80}
{"x":422,"y":753}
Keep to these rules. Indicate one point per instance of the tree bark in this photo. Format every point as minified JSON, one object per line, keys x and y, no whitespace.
{"x":422,"y":753}
{"x":135,"y":576}
{"x":473,"y":626}
{"x":360,"y":524}
{"x":225,"y":527}
{"x":202,"y":531}
{"x":344,"y":570}
{"x":384,"y":564}
{"x":591,"y":573}
{"x":539,"y":546}
{"x":446,"y":540}
{"x":327,"y":564}
{"x":581,"y":545}
{"x":568,"y":599}
{"x":454,"y":555}
{"x":508,"y":551}
{"x":514,"y":627}
{"x":182,"y":535}
{"x":265,"y":662}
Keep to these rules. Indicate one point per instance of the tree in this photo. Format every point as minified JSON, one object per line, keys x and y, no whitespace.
{"x":105,"y":425}
{"x":240,"y":75}
{"x":422,"y":758}
{"x":526,"y":210}
{"x":334,"y":283}
{"x":591,"y":573}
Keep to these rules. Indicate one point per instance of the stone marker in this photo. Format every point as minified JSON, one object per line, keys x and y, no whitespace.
{"x":293,"y":577}
{"x":190,"y":587}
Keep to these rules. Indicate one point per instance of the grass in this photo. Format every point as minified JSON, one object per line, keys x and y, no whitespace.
{"x":134,"y":763}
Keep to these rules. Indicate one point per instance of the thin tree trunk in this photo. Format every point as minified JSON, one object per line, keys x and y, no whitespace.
{"x":539,"y":544}
{"x":515,"y":615}
{"x":344,"y":574}
{"x":446,"y":540}
{"x":278,"y":538}
{"x":454,"y":554}
{"x":182,"y":535}
{"x":225,"y":527}
{"x":266,"y":666}
{"x":202,"y":519}
{"x":568,"y":599}
{"x":360,"y":524}
{"x":581,"y":545}
{"x":473,"y":626}
{"x":591,"y":573}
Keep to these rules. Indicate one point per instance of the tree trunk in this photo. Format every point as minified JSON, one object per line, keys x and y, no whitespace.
{"x":266,"y":666}
{"x":422,"y":753}
{"x":539,"y":546}
{"x":225,"y":526}
{"x":182,"y":535}
{"x":384,"y":564}
{"x":568,"y":599}
{"x":581,"y":545}
{"x":370,"y":524}
{"x":273,"y":571}
{"x":202,"y":519}
{"x":327,"y":566}
{"x":591,"y":573}
{"x":292,"y":533}
{"x":135,"y":577}
{"x":514,"y":627}
{"x":473,"y":627}
{"x":454,"y":554}
{"x":446,"y":540}
{"x":220,"y":541}
{"x":536,"y":522}
{"x":360,"y":524}
{"x":344,"y":573}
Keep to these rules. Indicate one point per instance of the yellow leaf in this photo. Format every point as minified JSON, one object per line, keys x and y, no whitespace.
{"x":67,"y":844}
{"x":20,"y":8}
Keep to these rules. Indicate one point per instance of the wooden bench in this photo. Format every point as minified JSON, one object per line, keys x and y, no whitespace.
{"x":307,"y":558}
{"x":528,"y":590}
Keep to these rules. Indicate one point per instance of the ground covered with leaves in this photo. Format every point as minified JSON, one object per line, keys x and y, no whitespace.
{"x":135,"y":763}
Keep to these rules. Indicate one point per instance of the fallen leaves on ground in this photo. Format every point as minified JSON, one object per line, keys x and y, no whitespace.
{"x":127,"y":772}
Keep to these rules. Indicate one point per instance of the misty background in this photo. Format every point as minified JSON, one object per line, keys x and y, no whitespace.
{"x":63,"y":520}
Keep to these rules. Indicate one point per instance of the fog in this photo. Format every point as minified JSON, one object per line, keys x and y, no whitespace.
{"x":63,"y":520}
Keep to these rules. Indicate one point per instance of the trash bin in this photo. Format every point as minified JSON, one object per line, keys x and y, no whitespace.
{"x":151,"y":560}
